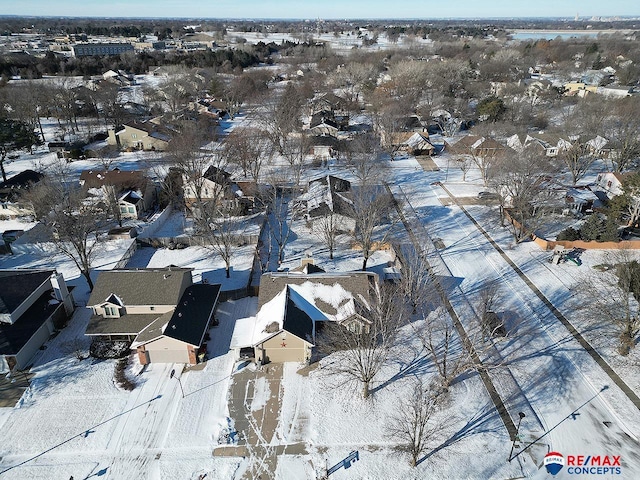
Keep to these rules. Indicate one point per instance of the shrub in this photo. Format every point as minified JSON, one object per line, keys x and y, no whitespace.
{"x":120,"y":376}
{"x":570,"y":234}
{"x":599,"y":229}
{"x":103,"y":350}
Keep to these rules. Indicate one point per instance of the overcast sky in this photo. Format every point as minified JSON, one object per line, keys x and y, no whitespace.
{"x":328,"y":9}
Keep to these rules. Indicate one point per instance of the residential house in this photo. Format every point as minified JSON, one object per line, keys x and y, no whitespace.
{"x":120,"y":78}
{"x":327,"y":195}
{"x":581,"y":200}
{"x":215,"y":185}
{"x":412,"y":143}
{"x":159,"y":310}
{"x":338,"y":106}
{"x":477,"y":146}
{"x":324,"y":147}
{"x":617,"y":91}
{"x":131,"y":205}
{"x":142,"y":136}
{"x":610,"y":183}
{"x":33,"y":304}
{"x":292,"y":308}
{"x":549,"y":144}
{"x":182,"y":338}
{"x":323,"y":123}
{"x":580,"y":89}
{"x":11,"y":192}
{"x":135,"y":193}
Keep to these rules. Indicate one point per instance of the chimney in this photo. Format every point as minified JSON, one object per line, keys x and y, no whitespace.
{"x":61,"y":292}
{"x":307,"y":260}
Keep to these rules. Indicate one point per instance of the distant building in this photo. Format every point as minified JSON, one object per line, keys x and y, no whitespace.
{"x":100,"y":49}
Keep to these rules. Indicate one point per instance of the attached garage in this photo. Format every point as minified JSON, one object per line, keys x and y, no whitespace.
{"x":167,"y":350}
{"x":284,"y":347}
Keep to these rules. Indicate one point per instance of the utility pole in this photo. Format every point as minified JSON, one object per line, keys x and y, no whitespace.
{"x":171,"y":375}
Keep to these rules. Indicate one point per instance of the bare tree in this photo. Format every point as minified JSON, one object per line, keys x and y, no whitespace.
{"x":613,"y":299}
{"x":282,"y":117}
{"x":247,"y":149}
{"x":223,"y":235}
{"x":354,"y":78}
{"x":622,"y":130}
{"x":413,"y":421}
{"x":328,"y":227}
{"x":295,"y":150}
{"x":363,"y":157}
{"x":464,"y":163}
{"x":75,"y":227}
{"x":192,"y":162}
{"x":178,"y":89}
{"x":443,"y":345}
{"x":488,"y":300}
{"x":417,"y":282}
{"x":278,"y":216}
{"x":359,"y":354}
{"x":522,"y":181}
{"x":578,"y":159}
{"x":371,"y":208}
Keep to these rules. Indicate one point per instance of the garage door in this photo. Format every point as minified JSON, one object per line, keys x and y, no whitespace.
{"x":280,"y":355}
{"x":168,"y":356}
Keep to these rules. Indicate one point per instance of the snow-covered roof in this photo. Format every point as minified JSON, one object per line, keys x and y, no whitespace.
{"x":318,"y":301}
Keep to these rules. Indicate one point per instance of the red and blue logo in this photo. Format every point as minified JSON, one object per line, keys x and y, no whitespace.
{"x":553,"y":462}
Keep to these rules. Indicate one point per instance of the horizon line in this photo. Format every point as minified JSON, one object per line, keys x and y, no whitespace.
{"x":282,"y":19}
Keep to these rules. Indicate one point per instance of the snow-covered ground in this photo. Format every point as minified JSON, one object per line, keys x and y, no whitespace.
{"x":73,"y":420}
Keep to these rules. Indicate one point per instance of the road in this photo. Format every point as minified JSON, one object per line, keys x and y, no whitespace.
{"x":555,"y":376}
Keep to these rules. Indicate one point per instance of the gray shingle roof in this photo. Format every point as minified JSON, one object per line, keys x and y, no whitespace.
{"x":272,"y":283}
{"x":124,"y":325}
{"x":153,"y":286}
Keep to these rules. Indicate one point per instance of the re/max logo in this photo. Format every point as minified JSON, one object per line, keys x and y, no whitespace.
{"x":595,"y":460}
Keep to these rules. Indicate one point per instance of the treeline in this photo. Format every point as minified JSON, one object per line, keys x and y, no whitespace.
{"x":28,"y":66}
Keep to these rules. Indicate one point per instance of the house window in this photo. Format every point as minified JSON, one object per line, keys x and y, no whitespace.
{"x":5,"y":206}
{"x":133,"y":135}
{"x":110,"y":311}
{"x":609,"y":184}
{"x":131,"y":209}
{"x":123,"y":209}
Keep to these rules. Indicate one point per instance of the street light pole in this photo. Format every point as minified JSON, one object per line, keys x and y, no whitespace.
{"x":521,"y":415}
{"x":173,"y":373}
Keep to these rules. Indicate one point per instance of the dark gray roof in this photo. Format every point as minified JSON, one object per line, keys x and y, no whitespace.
{"x":191,"y":317}
{"x":22,"y":179}
{"x":297,"y":321}
{"x":146,"y":286}
{"x":125,"y":325}
{"x":14,"y":337}
{"x":272,"y":283}
{"x":17,"y":285}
